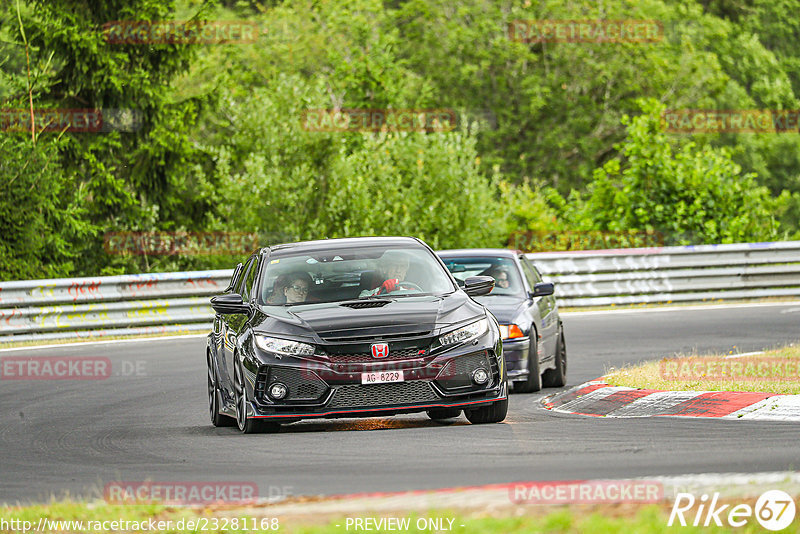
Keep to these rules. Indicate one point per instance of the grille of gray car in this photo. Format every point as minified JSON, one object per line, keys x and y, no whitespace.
{"x":357,"y":396}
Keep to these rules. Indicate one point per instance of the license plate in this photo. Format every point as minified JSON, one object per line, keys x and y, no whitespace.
{"x":382,"y":377}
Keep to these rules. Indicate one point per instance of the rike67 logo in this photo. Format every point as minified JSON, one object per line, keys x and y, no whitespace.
{"x":774,"y":510}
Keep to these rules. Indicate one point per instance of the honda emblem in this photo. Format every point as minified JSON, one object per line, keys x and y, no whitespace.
{"x":380,"y":350}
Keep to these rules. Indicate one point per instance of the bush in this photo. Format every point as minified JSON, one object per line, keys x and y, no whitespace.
{"x":688,"y":194}
{"x":286,"y":183}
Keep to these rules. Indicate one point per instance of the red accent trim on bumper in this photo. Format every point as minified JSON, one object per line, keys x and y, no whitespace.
{"x":401,"y":408}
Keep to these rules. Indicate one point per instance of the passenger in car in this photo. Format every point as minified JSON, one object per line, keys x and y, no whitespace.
{"x":297,"y":289}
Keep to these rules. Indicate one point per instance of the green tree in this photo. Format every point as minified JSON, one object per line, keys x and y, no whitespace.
{"x":286,"y":183}
{"x":690,"y":194}
{"x":556,"y":107}
{"x":127,"y":179}
{"x":40,"y":215}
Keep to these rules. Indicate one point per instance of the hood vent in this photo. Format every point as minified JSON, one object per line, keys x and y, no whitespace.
{"x":372,"y":338}
{"x":366,"y":304}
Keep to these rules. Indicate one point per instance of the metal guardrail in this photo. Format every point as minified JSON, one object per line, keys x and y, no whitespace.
{"x":178,"y":302}
{"x":673,"y":274}
{"x":108,"y":306}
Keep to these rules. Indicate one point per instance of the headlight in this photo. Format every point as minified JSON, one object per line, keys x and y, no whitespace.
{"x":465,"y":333}
{"x":284,"y":347}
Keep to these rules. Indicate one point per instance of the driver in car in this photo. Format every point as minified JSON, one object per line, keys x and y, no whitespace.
{"x":394,"y":269}
{"x":500,"y":276}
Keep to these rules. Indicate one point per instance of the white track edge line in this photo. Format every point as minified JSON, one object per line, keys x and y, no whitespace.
{"x":681,"y":308}
{"x":101,"y":342}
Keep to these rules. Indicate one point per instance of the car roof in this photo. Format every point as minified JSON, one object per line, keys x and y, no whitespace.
{"x":345,"y":243}
{"x":477,"y":252}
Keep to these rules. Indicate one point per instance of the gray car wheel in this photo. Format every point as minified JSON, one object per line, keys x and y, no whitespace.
{"x":534,"y":381}
{"x":557,"y":378}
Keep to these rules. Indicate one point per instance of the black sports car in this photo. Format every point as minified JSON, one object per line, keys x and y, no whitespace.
{"x":352,"y":328}
{"x":533,"y":336}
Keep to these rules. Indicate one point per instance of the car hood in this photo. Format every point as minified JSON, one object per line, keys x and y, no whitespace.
{"x":504,"y":308}
{"x":332,"y":322}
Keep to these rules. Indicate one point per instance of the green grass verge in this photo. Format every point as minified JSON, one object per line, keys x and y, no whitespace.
{"x":774,"y":371}
{"x":600,"y":519}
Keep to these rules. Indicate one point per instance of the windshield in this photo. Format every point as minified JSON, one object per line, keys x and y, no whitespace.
{"x":504,"y":271}
{"x":297,"y":277}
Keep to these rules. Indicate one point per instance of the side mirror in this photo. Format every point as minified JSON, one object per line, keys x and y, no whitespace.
{"x":475,"y":286}
{"x":229,"y":303}
{"x":236,"y":271}
{"x":543,"y":289}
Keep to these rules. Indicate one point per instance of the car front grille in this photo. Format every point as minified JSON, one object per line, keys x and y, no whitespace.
{"x":458,"y":371}
{"x":303,"y":385}
{"x":358,"y":396}
{"x":366,"y":357}
{"x":332,"y":337}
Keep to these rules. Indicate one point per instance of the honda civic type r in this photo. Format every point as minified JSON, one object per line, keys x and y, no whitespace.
{"x":357,"y":327}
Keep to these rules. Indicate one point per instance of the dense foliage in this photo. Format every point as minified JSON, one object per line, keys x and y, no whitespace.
{"x":552,"y":137}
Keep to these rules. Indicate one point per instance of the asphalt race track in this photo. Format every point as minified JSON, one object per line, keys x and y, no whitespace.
{"x":149,"y":420}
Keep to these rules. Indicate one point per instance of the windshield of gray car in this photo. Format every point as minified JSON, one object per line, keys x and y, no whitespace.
{"x":504,"y":270}
{"x":302,"y":277}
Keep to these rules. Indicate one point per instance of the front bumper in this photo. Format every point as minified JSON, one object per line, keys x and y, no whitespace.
{"x":320,"y":388}
{"x":515,"y":353}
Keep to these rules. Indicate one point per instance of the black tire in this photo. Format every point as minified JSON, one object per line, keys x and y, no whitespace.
{"x":494,"y":413}
{"x":534,"y":381}
{"x":557,"y":378}
{"x":215,"y":398}
{"x":247,"y":425}
{"x":440,"y":414}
